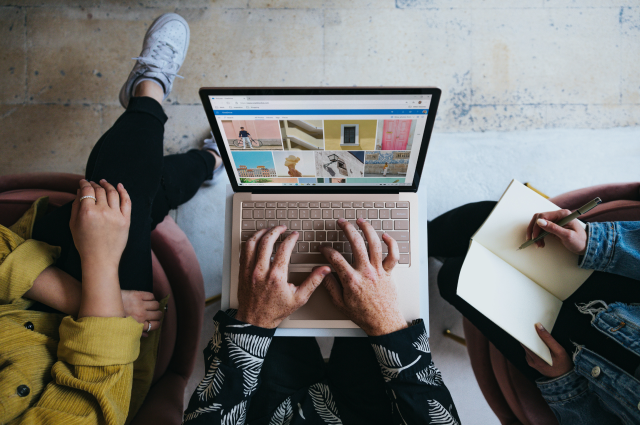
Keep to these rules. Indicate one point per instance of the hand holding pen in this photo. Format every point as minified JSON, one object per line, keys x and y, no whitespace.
{"x":571,"y":233}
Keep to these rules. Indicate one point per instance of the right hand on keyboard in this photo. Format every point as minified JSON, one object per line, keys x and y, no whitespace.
{"x":265,"y":297}
{"x":366,"y":293}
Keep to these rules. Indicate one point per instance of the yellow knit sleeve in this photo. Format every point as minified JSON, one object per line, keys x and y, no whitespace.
{"x":21,"y":262}
{"x":93,"y":375}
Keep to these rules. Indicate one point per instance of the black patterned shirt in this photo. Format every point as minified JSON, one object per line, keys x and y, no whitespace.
{"x":237,"y":350}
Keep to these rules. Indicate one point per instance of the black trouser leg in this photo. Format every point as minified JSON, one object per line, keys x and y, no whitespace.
{"x":182,"y":176}
{"x":131,"y":153}
{"x":357,"y":384}
{"x":292,"y":364}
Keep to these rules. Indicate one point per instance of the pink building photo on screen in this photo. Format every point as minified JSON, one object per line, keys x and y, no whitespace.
{"x":395,"y":135}
{"x":253,"y":134}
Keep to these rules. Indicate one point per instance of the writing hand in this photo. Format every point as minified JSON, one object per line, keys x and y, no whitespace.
{"x":366,"y":293}
{"x":561,"y":361}
{"x":572,"y":235}
{"x":265,"y":297}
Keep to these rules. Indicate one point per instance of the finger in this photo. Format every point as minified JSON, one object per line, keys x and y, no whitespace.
{"x":155,"y":324}
{"x":338,"y":262}
{"x":283,"y":255}
{"x":531,"y":225}
{"x":154,"y":316}
{"x":248,"y":255}
{"x":335,"y":290}
{"x":113,"y":198}
{"x":147,"y":296}
{"x":358,"y":247}
{"x":530,"y":356}
{"x":101,"y":194}
{"x":125,"y":202}
{"x":549,"y":341}
{"x":394,"y":253}
{"x":554,"y":229}
{"x":375,"y":248}
{"x":306,"y":288}
{"x":151,"y":305}
{"x":265,"y":250}
{"x":553,"y":216}
{"x":86,"y":189}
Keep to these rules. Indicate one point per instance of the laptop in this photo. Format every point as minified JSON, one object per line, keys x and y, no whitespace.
{"x":305,"y":157}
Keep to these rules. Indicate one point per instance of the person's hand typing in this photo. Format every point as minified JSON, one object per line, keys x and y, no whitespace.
{"x":265,"y":297}
{"x":572,"y":235}
{"x":366,"y":293}
{"x":561,"y":361}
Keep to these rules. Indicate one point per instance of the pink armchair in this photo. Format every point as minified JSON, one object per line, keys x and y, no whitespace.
{"x":176,"y":272}
{"x":513,"y":398}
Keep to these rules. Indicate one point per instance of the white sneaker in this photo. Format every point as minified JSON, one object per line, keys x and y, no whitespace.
{"x":163,"y":52}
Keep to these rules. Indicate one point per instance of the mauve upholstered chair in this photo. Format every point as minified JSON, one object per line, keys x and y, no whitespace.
{"x":514,"y":399}
{"x":176,"y":272}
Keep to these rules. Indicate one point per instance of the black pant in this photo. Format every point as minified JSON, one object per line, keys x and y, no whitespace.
{"x":449,"y":236}
{"x":131,"y":153}
{"x":353,"y":375}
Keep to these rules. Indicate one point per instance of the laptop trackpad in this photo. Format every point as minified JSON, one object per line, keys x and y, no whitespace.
{"x":319,"y":306}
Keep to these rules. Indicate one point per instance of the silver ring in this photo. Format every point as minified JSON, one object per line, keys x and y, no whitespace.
{"x":88,"y":196}
{"x":149,"y":328}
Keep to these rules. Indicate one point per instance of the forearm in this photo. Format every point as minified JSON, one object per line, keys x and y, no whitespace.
{"x":56,"y":289}
{"x":614,"y":247}
{"x":414,"y":383}
{"x":233,"y":360}
{"x":101,"y":296}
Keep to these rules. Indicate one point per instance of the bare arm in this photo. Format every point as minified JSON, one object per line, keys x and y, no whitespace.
{"x":57,"y":289}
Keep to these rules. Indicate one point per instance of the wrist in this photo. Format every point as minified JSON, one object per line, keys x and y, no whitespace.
{"x":260,"y":322}
{"x":387,"y":328}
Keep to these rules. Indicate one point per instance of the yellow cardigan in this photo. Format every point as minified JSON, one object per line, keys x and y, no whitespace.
{"x":56,"y":369}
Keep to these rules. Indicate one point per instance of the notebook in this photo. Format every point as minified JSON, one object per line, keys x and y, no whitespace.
{"x":516,"y":289}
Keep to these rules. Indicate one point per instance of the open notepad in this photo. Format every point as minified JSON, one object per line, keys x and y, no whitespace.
{"x":516,"y":289}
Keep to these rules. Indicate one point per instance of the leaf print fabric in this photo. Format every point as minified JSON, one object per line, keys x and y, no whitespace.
{"x":405,"y":362}
{"x":234,"y":360}
{"x":323,"y":403}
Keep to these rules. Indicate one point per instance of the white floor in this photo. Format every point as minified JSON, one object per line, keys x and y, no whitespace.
{"x":460,"y":168}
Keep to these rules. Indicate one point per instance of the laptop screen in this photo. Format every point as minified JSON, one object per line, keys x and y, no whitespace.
{"x":369,"y":140}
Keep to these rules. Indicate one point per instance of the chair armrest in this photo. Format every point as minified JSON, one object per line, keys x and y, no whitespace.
{"x":60,"y":182}
{"x":607,"y":192}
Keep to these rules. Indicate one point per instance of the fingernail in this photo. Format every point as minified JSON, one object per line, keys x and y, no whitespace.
{"x":341,"y":220}
{"x":360,"y":220}
{"x":542,"y":222}
{"x":540,"y":327}
{"x":295,"y":232}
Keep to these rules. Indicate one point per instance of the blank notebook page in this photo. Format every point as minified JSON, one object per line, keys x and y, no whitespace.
{"x":507,"y":297}
{"x":553,"y":267}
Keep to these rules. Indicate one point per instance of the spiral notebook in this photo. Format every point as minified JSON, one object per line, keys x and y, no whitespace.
{"x":516,"y":289}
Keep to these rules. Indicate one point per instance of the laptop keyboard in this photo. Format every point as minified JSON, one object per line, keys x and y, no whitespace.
{"x":316,"y":223}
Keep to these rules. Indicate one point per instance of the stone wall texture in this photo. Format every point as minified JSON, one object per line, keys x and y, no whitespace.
{"x":502,"y":65}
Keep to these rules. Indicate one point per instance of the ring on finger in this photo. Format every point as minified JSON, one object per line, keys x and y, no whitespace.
{"x":149,"y":328}
{"x":88,"y":196}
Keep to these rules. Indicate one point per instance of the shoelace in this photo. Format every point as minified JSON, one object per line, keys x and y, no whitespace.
{"x":162,"y":52}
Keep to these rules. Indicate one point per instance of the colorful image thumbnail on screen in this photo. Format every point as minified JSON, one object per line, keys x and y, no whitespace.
{"x":302,"y":134}
{"x":386,"y":163}
{"x":254,"y":164}
{"x":339,"y":164}
{"x":294,"y":163}
{"x":395,"y":135}
{"x":341,"y":135}
{"x":252,"y":134}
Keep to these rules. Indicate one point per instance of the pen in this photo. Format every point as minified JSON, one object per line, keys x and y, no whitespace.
{"x":582,"y":210}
